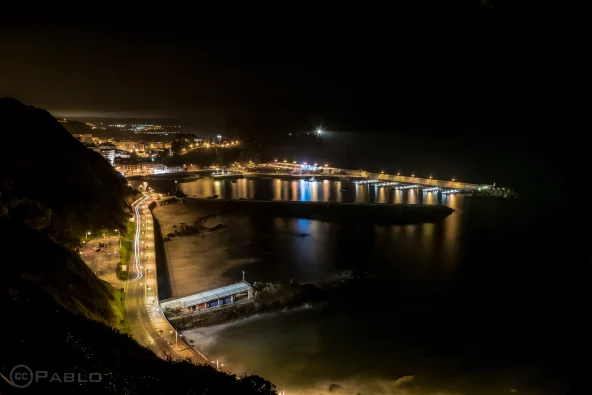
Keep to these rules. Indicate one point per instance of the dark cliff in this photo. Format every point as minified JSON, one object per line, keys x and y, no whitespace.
{"x":57,"y":316}
{"x":49,"y":180}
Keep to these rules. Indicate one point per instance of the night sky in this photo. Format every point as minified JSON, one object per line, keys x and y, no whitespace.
{"x":454,"y":83}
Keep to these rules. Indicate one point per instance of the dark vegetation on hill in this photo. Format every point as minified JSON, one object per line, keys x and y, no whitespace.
{"x":49,"y":180}
{"x":57,"y":316}
{"x":41,"y":334}
{"x":32,"y":257}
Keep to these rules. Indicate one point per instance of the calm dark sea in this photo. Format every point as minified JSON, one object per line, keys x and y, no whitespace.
{"x":484,"y":302}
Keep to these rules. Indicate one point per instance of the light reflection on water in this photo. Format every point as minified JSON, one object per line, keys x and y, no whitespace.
{"x":302,"y":190}
{"x":381,"y":331}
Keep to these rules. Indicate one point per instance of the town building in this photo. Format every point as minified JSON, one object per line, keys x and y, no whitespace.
{"x":108,"y":154}
{"x":83,"y":138}
{"x":172,"y":169}
{"x":122,"y":154}
{"x":130,"y":146}
{"x":158,"y":145}
{"x":129,"y":168}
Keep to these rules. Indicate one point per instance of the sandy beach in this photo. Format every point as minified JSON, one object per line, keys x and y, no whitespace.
{"x":200,"y":261}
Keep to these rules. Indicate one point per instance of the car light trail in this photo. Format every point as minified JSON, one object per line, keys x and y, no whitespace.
{"x":137,"y":240}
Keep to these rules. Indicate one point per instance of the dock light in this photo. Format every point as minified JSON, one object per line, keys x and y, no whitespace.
{"x":452,"y":179}
{"x":430,"y":176}
{"x":275,"y":160}
{"x":412,"y":174}
{"x":382,"y":172}
{"x":399,"y":173}
{"x":285,"y":161}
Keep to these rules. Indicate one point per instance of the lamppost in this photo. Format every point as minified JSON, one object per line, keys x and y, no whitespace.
{"x":218,"y":364}
{"x":119,"y":239}
{"x":176,"y":342}
{"x":87,"y":233}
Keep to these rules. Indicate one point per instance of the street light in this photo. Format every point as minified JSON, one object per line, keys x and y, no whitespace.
{"x":87,"y":233}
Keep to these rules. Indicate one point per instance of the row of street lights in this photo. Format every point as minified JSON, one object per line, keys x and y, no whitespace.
{"x":412,"y":174}
{"x":302,"y":163}
{"x":147,"y":287}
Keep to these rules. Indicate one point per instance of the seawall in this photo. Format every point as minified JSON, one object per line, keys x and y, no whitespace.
{"x":162,"y":271}
{"x":380,"y":214}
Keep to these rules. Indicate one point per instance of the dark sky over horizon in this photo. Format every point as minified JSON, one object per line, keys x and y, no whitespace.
{"x":453,"y":81}
{"x":462,"y":71}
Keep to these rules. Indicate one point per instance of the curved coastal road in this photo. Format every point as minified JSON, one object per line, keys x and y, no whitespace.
{"x":147,"y":323}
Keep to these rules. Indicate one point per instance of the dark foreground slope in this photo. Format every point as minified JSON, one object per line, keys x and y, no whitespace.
{"x":44,"y":169}
{"x":57,"y":317}
{"x":37,"y":332}
{"x":30,"y":256}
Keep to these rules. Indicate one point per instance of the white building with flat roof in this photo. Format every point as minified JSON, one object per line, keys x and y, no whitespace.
{"x":109,"y":154}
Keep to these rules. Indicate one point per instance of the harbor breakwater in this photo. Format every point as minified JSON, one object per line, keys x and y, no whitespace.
{"x":380,"y":214}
